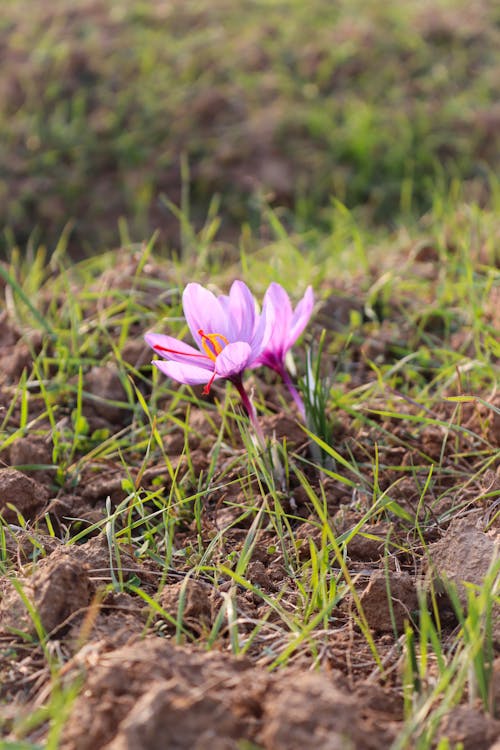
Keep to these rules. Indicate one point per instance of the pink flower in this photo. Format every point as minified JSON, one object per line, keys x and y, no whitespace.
{"x":287,"y":327}
{"x":228,"y":330}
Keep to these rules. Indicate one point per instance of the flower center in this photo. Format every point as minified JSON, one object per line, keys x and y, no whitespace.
{"x":212,"y":343}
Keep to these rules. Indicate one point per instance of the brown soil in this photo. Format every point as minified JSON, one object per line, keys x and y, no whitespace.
{"x":141,"y":677}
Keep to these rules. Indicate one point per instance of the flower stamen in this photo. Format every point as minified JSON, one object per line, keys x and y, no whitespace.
{"x":206,"y":389}
{"x":211,"y":343}
{"x":159,"y":348}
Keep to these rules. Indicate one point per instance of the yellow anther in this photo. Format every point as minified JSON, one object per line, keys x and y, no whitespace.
{"x":211,"y":343}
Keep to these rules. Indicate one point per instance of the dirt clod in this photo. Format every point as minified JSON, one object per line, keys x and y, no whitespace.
{"x":463,"y":555}
{"x":188,"y":719}
{"x":314,"y":713}
{"x":375,"y":602}
{"x":116,"y":700}
{"x":193,"y":599}
{"x":470,"y":727}
{"x":105,"y":386}
{"x":26,"y":495}
{"x":59,"y":588}
{"x":367,"y":548}
{"x":33,"y":450}
{"x":22,"y":546}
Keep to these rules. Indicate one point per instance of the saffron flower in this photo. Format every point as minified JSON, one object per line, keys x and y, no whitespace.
{"x":230,"y":335}
{"x":287,"y":327}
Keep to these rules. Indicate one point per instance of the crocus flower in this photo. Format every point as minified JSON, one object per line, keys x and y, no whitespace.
{"x":230,"y":335}
{"x":287,"y":327}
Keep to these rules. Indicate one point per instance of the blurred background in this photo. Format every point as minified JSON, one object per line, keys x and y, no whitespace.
{"x":116,"y":116}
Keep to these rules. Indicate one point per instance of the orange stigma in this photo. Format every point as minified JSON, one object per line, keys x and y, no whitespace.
{"x":212,"y":343}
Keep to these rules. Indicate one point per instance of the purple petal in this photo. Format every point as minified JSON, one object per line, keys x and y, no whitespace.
{"x":224,"y":302}
{"x":176,"y":350}
{"x":189,"y":374}
{"x":241,"y":310}
{"x":300,"y":317}
{"x":264,"y":328}
{"x":233,"y":359}
{"x":277,"y":310}
{"x":282,"y":316}
{"x":203,"y":311}
{"x":269,"y":359}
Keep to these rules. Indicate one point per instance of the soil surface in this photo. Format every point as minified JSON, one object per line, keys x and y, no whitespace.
{"x":141,"y":672}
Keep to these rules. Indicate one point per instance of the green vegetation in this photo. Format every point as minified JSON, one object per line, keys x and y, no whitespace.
{"x":409,"y":371}
{"x":368,"y":103}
